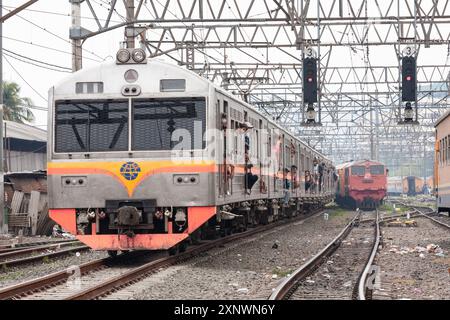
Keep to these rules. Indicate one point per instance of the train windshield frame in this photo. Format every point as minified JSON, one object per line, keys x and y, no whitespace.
{"x":162,"y":124}
{"x":377,"y":170}
{"x":358,"y":170}
{"x":91,"y":125}
{"x":103,"y":125}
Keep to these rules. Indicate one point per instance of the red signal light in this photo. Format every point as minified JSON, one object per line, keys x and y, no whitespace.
{"x":310,"y":79}
{"x":408,"y":78}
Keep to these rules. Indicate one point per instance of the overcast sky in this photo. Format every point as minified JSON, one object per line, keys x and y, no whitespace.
{"x":48,"y":25}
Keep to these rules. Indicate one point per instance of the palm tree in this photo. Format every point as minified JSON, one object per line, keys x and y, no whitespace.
{"x":15,"y":107}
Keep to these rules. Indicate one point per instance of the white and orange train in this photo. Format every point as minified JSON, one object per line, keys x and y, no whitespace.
{"x":442,"y":163}
{"x":127,"y":171}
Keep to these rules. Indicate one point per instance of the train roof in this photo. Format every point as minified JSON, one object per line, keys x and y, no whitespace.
{"x":162,"y":69}
{"x":357,"y":162}
{"x":442,"y":118}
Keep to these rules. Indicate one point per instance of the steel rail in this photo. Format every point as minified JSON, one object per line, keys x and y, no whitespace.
{"x":41,"y":283}
{"x":19,"y":246}
{"x":32,"y":249}
{"x":143,"y":271}
{"x":30,"y":286}
{"x":19,"y":261}
{"x":362,"y":285}
{"x":284,"y":289}
{"x":442,"y":224}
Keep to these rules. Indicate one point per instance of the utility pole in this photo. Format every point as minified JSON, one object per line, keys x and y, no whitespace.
{"x":2,"y":177}
{"x":129,"y":30}
{"x":3,"y":18}
{"x":75,"y":33}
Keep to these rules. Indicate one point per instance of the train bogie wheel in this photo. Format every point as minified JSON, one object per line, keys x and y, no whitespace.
{"x":112,"y":253}
{"x":173,"y":250}
{"x":182,"y":247}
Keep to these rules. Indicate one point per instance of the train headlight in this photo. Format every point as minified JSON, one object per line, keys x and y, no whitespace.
{"x":138,"y":55}
{"x":310,"y":114}
{"x":123,"y":55}
{"x":409,"y":112}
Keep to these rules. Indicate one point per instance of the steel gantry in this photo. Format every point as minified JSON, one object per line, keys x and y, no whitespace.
{"x":254,"y":48}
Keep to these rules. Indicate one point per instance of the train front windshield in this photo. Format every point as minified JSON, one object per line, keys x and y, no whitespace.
{"x":103,"y":125}
{"x":377,"y":170}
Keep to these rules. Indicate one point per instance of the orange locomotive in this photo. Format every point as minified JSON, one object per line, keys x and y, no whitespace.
{"x":362,"y":184}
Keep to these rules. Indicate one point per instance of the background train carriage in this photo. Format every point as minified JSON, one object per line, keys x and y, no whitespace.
{"x":362,"y":184}
{"x":442,"y":163}
{"x":116,"y":183}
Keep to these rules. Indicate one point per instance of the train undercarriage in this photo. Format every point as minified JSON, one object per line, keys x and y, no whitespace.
{"x":142,"y":225}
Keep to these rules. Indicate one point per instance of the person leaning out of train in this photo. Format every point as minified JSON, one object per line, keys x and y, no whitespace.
{"x":295,"y":183}
{"x":315,"y":175}
{"x":320,"y":170}
{"x":249,"y":178}
{"x":286,"y":185}
{"x":308,"y":181}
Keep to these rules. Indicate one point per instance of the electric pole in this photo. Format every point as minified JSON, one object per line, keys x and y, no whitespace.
{"x":2,"y":178}
{"x":3,"y":18}
{"x":129,"y":30}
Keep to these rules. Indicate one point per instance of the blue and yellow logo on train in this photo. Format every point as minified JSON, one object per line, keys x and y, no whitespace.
{"x":130,"y":170}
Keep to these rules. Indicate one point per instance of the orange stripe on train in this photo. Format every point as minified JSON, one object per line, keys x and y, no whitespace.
{"x":146,"y":169}
{"x":129,"y":178}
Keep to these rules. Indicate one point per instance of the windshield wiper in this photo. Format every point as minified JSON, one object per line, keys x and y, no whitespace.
{"x":118,"y":133}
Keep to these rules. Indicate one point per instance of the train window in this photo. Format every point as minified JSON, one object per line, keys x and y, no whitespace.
{"x":448,"y":148}
{"x":156,"y":120}
{"x":377,"y":170}
{"x":358,"y":170}
{"x":172,"y":85}
{"x":108,"y":126}
{"x":91,"y":126}
{"x":445,"y":150}
{"x":89,"y":87}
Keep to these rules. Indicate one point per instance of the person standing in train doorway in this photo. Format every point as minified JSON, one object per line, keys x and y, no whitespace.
{"x":249,"y":178}
{"x":315,"y":175}
{"x":286,"y":186}
{"x":321,"y":168}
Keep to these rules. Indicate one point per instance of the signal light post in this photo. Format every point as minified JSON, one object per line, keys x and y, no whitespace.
{"x":310,"y":87}
{"x":409,"y":87}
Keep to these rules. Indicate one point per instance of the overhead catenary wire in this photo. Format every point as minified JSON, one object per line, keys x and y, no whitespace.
{"x":58,"y":14}
{"x":54,"y":34}
{"x":24,"y":80}
{"x":46,"y":47}
{"x":46,"y":65}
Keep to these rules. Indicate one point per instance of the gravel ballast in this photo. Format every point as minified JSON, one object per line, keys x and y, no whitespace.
{"x":247,"y":269}
{"x":414,"y":262}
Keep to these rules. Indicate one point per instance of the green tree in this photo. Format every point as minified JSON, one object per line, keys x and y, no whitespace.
{"x":15,"y":107}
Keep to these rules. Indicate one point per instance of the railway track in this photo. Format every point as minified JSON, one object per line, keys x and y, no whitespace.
{"x":20,"y":246}
{"x":428,"y":213}
{"x":31,"y":254}
{"x":340,"y":270}
{"x":101,"y":277}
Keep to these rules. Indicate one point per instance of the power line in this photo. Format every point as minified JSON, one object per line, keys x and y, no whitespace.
{"x":59,"y":14}
{"x":18,"y":73}
{"x":55,"y":35}
{"x":64,"y":69}
{"x":35,"y":64}
{"x":45,"y":47}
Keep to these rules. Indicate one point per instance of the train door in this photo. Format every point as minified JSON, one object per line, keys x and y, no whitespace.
{"x":346,"y":178}
{"x":220,"y":151}
{"x":227,"y":167}
{"x":261,"y":157}
{"x":411,"y":186}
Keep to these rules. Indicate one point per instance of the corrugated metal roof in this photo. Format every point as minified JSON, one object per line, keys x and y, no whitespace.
{"x":442,"y":117}
{"x":23,"y":131}
{"x":356,"y":162}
